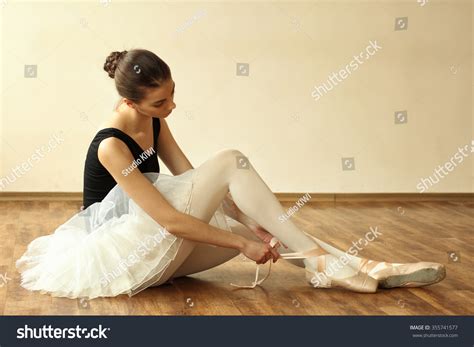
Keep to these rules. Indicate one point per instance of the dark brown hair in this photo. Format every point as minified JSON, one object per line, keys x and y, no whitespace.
{"x":136,"y":70}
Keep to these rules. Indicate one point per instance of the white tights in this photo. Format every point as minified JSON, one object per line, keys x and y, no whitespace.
{"x":229,"y":170}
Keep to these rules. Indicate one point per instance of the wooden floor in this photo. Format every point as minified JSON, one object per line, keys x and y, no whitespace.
{"x":412,"y":231}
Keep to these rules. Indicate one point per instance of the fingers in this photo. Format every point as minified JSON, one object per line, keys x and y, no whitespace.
{"x":269,"y":253}
{"x":275,"y":255}
{"x":265,"y":258}
{"x":272,"y":253}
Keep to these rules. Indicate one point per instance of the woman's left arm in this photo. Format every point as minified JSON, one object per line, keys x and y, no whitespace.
{"x":169,"y":151}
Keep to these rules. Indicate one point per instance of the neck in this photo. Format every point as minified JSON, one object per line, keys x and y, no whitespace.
{"x":136,"y":121}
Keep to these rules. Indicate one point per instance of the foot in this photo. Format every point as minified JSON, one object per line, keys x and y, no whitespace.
{"x":329,"y":273}
{"x":330,"y":265}
{"x":319,"y":275}
{"x":392,"y":275}
{"x":345,"y":277}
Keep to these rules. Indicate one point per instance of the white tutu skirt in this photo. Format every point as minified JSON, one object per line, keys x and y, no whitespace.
{"x":112,"y":247}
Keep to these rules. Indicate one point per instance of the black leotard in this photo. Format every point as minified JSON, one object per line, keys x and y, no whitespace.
{"x":97,"y":180}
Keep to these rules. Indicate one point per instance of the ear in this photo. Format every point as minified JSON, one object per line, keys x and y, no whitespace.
{"x":128,"y":102}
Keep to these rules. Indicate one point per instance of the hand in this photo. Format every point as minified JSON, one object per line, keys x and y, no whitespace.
{"x":231,"y":209}
{"x":260,"y":252}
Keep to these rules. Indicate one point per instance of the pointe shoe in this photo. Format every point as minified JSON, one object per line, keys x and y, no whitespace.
{"x":392,"y":275}
{"x":359,"y":282}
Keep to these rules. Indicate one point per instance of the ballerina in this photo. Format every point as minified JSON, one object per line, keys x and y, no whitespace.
{"x":140,"y":228}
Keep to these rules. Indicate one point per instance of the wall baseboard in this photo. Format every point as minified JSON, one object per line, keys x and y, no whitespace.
{"x":283,"y":197}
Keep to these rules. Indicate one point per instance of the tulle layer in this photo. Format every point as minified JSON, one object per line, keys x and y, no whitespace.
{"x":113,"y":247}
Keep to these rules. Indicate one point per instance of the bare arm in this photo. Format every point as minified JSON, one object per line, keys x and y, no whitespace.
{"x":115,"y":156}
{"x":169,"y":151}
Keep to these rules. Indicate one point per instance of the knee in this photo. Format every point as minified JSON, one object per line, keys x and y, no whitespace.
{"x":229,"y":152}
{"x":232,"y":158}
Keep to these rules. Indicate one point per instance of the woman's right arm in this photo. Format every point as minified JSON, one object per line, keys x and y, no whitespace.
{"x":115,"y":156}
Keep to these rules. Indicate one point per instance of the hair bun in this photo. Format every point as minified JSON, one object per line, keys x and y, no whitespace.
{"x":112,"y":62}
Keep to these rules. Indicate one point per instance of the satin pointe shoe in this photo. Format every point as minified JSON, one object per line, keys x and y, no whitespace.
{"x":392,"y":275}
{"x":360,"y":282}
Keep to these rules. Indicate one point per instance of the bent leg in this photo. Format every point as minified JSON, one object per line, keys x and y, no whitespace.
{"x":205,"y":256}
{"x":231,"y":171}
{"x":228,"y":170}
{"x":193,"y":257}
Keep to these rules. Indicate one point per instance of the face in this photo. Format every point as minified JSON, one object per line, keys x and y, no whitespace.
{"x":158,"y":102}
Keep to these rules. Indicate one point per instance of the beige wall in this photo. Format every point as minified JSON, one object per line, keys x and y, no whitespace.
{"x":296,"y":142}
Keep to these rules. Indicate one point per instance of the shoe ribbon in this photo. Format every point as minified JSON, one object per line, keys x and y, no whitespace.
{"x":314,"y":252}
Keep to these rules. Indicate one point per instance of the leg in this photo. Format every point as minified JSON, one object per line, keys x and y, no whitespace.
{"x":204,"y":256}
{"x":195,"y":257}
{"x":223,"y":172}
{"x":230,"y":170}
{"x":353,"y":260}
{"x":255,"y":199}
